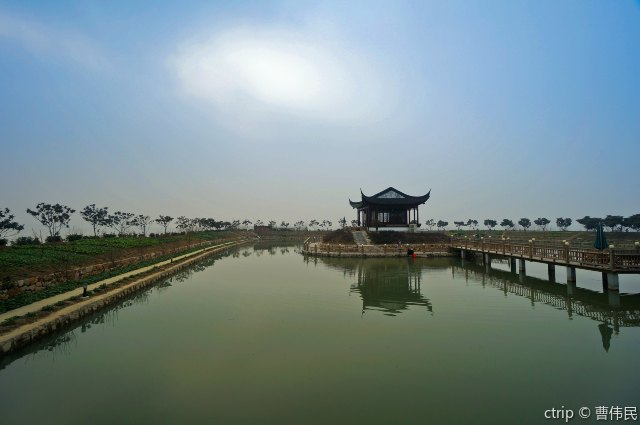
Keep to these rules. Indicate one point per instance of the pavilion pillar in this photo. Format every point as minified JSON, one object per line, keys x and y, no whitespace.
{"x":521,"y":266}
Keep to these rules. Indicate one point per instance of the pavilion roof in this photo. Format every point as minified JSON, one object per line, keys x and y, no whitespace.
{"x":390,"y":196}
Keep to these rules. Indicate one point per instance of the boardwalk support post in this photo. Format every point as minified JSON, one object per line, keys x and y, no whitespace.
{"x":613,"y":281}
{"x":551,"y":272}
{"x":521,"y":266}
{"x":571,"y":274}
{"x":513,"y":265}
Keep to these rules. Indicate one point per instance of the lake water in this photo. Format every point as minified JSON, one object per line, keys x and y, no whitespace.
{"x":264,"y":335}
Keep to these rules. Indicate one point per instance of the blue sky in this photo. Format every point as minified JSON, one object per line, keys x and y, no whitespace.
{"x":282,"y":110}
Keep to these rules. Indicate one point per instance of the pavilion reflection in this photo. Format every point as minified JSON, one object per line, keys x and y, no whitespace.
{"x":388,"y":285}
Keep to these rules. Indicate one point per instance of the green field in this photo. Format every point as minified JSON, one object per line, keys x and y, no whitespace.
{"x":18,"y":262}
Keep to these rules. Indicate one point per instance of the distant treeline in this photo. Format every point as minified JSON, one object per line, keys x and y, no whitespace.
{"x":611,"y":222}
{"x":55,"y":217}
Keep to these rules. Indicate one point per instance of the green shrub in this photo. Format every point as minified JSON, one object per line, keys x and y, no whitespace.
{"x":108,"y":235}
{"x":74,"y":237}
{"x":53,"y":239}
{"x":3,"y":242}
{"x":9,"y":321}
{"x":47,"y":308}
{"x":25,"y":241}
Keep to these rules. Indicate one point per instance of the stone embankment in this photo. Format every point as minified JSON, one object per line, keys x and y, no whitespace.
{"x":375,"y":250}
{"x":29,"y":333}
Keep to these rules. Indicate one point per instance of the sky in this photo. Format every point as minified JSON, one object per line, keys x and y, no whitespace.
{"x":284,"y":110}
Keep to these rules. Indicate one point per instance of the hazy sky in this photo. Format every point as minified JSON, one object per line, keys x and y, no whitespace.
{"x":285,"y":109}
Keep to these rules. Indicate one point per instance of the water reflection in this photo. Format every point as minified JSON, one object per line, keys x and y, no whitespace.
{"x":61,"y":342}
{"x":611,"y":310}
{"x":392,"y":285}
{"x":388,"y":285}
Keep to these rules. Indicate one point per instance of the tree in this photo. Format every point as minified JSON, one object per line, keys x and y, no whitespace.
{"x":121,"y":222}
{"x":441,"y":224}
{"x":300,"y":225}
{"x":8,"y":227}
{"x":472,"y":223}
{"x":632,"y":222}
{"x":613,"y":222}
{"x":164,"y":221}
{"x":183,"y":223}
{"x":235,"y":224}
{"x":259,"y":223}
{"x":247,"y":222}
{"x":525,"y":223}
{"x":563,"y":223}
{"x":507,"y":224}
{"x":430,"y":223}
{"x":272,"y":223}
{"x":53,"y":216}
{"x":141,"y":221}
{"x":313,"y":223}
{"x":284,"y":224}
{"x":459,"y":224}
{"x":327,"y":223}
{"x":490,"y":223}
{"x":97,"y":217}
{"x":354,"y":223}
{"x":589,"y":223}
{"x":542,"y":222}
{"x":342,"y":222}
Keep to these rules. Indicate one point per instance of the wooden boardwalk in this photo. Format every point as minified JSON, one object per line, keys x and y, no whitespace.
{"x":619,"y":261}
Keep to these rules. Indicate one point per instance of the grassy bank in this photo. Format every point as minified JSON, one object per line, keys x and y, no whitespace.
{"x":31,"y":297}
{"x":24,"y":261}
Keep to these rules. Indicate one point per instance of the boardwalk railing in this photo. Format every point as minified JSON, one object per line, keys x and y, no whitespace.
{"x":384,"y":250}
{"x":614,"y":260}
{"x":621,"y":260}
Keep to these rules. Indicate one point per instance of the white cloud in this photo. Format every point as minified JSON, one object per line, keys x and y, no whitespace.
{"x":259,"y":72}
{"x":44,"y":41}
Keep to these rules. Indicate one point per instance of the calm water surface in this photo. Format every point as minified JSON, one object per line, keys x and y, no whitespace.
{"x":263,"y":335}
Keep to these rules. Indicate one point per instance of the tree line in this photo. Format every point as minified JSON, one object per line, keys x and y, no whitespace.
{"x":55,"y":217}
{"x":611,"y":222}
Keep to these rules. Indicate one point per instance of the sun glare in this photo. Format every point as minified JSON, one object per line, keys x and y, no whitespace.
{"x":277,"y":76}
{"x":259,"y":70}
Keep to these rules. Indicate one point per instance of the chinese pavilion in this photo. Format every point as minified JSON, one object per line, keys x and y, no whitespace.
{"x":389,"y":207}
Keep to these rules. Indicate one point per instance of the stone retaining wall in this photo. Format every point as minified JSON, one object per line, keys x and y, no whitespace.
{"x":29,"y":333}
{"x":39,"y":283}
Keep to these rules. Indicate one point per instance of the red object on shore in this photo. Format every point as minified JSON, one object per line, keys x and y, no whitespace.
{"x":413,"y":255}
